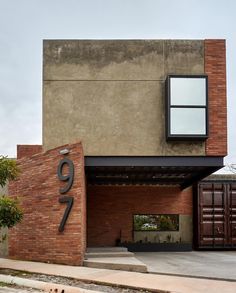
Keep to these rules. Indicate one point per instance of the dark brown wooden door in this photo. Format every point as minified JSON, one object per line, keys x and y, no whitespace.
{"x":232,"y":213}
{"x":216,"y":215}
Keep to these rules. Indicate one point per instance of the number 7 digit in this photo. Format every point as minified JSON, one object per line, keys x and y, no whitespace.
{"x":69,"y":201}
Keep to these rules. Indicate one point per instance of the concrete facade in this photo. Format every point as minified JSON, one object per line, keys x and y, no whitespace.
{"x":110,"y":94}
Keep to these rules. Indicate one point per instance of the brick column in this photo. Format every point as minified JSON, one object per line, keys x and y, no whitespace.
{"x":37,"y":237}
{"x":215,"y":68}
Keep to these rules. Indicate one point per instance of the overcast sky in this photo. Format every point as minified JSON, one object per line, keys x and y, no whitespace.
{"x":25,"y":23}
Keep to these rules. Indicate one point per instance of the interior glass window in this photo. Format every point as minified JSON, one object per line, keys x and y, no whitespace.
{"x":156,"y":222}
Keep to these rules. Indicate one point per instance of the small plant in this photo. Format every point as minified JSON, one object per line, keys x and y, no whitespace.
{"x":168,"y":237}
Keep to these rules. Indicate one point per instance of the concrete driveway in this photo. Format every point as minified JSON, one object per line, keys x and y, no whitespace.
{"x":207,"y":264}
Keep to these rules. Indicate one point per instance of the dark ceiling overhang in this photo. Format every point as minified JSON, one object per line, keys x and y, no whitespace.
{"x":176,"y":171}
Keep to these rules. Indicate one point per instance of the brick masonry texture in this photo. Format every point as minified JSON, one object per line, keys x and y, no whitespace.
{"x":25,"y":150}
{"x":215,"y":68}
{"x":111,"y":209}
{"x":37,"y":237}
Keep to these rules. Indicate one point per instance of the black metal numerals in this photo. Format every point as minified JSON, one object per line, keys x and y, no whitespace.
{"x":69,"y":178}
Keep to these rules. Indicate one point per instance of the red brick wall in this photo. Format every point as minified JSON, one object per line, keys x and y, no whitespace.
{"x":25,"y":150}
{"x":215,"y":68}
{"x":110,"y":209}
{"x":37,"y":237}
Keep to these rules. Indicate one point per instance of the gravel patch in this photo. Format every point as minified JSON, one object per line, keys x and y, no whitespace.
{"x":72,"y":282}
{"x":5,"y":288}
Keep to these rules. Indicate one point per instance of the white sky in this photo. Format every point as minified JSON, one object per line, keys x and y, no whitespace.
{"x":25,"y":23}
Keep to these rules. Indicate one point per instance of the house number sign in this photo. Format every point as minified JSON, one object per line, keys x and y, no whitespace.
{"x":69,"y":178}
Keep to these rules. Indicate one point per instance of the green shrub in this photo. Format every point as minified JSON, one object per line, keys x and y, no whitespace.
{"x":10,"y":212}
{"x":166,"y":224}
{"x":8,"y":170}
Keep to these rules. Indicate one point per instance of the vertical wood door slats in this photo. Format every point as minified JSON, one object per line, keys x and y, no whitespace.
{"x":216,"y":215}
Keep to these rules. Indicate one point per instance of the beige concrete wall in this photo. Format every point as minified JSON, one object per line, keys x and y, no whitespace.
{"x":3,"y":231}
{"x":110,"y":94}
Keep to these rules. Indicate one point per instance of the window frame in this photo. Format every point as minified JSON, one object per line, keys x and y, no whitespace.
{"x":185,"y":137}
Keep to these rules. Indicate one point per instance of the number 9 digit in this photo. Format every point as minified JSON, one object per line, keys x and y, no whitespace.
{"x":69,"y":177}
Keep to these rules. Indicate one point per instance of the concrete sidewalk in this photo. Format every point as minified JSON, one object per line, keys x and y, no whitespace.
{"x":124,"y":278}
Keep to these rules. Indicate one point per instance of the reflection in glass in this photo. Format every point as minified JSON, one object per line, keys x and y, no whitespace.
{"x":188,"y":91}
{"x":188,"y":121}
{"x":156,"y":222}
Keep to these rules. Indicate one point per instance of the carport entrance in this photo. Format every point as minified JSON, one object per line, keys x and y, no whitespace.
{"x":112,"y":211}
{"x":120,"y":188}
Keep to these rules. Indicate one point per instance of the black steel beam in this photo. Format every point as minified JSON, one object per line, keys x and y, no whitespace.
{"x":130,"y":181}
{"x":187,"y":161}
{"x":198,"y":177}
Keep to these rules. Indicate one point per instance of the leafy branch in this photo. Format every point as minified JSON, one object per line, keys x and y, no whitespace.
{"x":10,"y":211}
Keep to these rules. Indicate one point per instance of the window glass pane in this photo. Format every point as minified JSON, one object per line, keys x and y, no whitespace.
{"x":156,"y":222}
{"x":188,"y":121}
{"x":188,"y":91}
